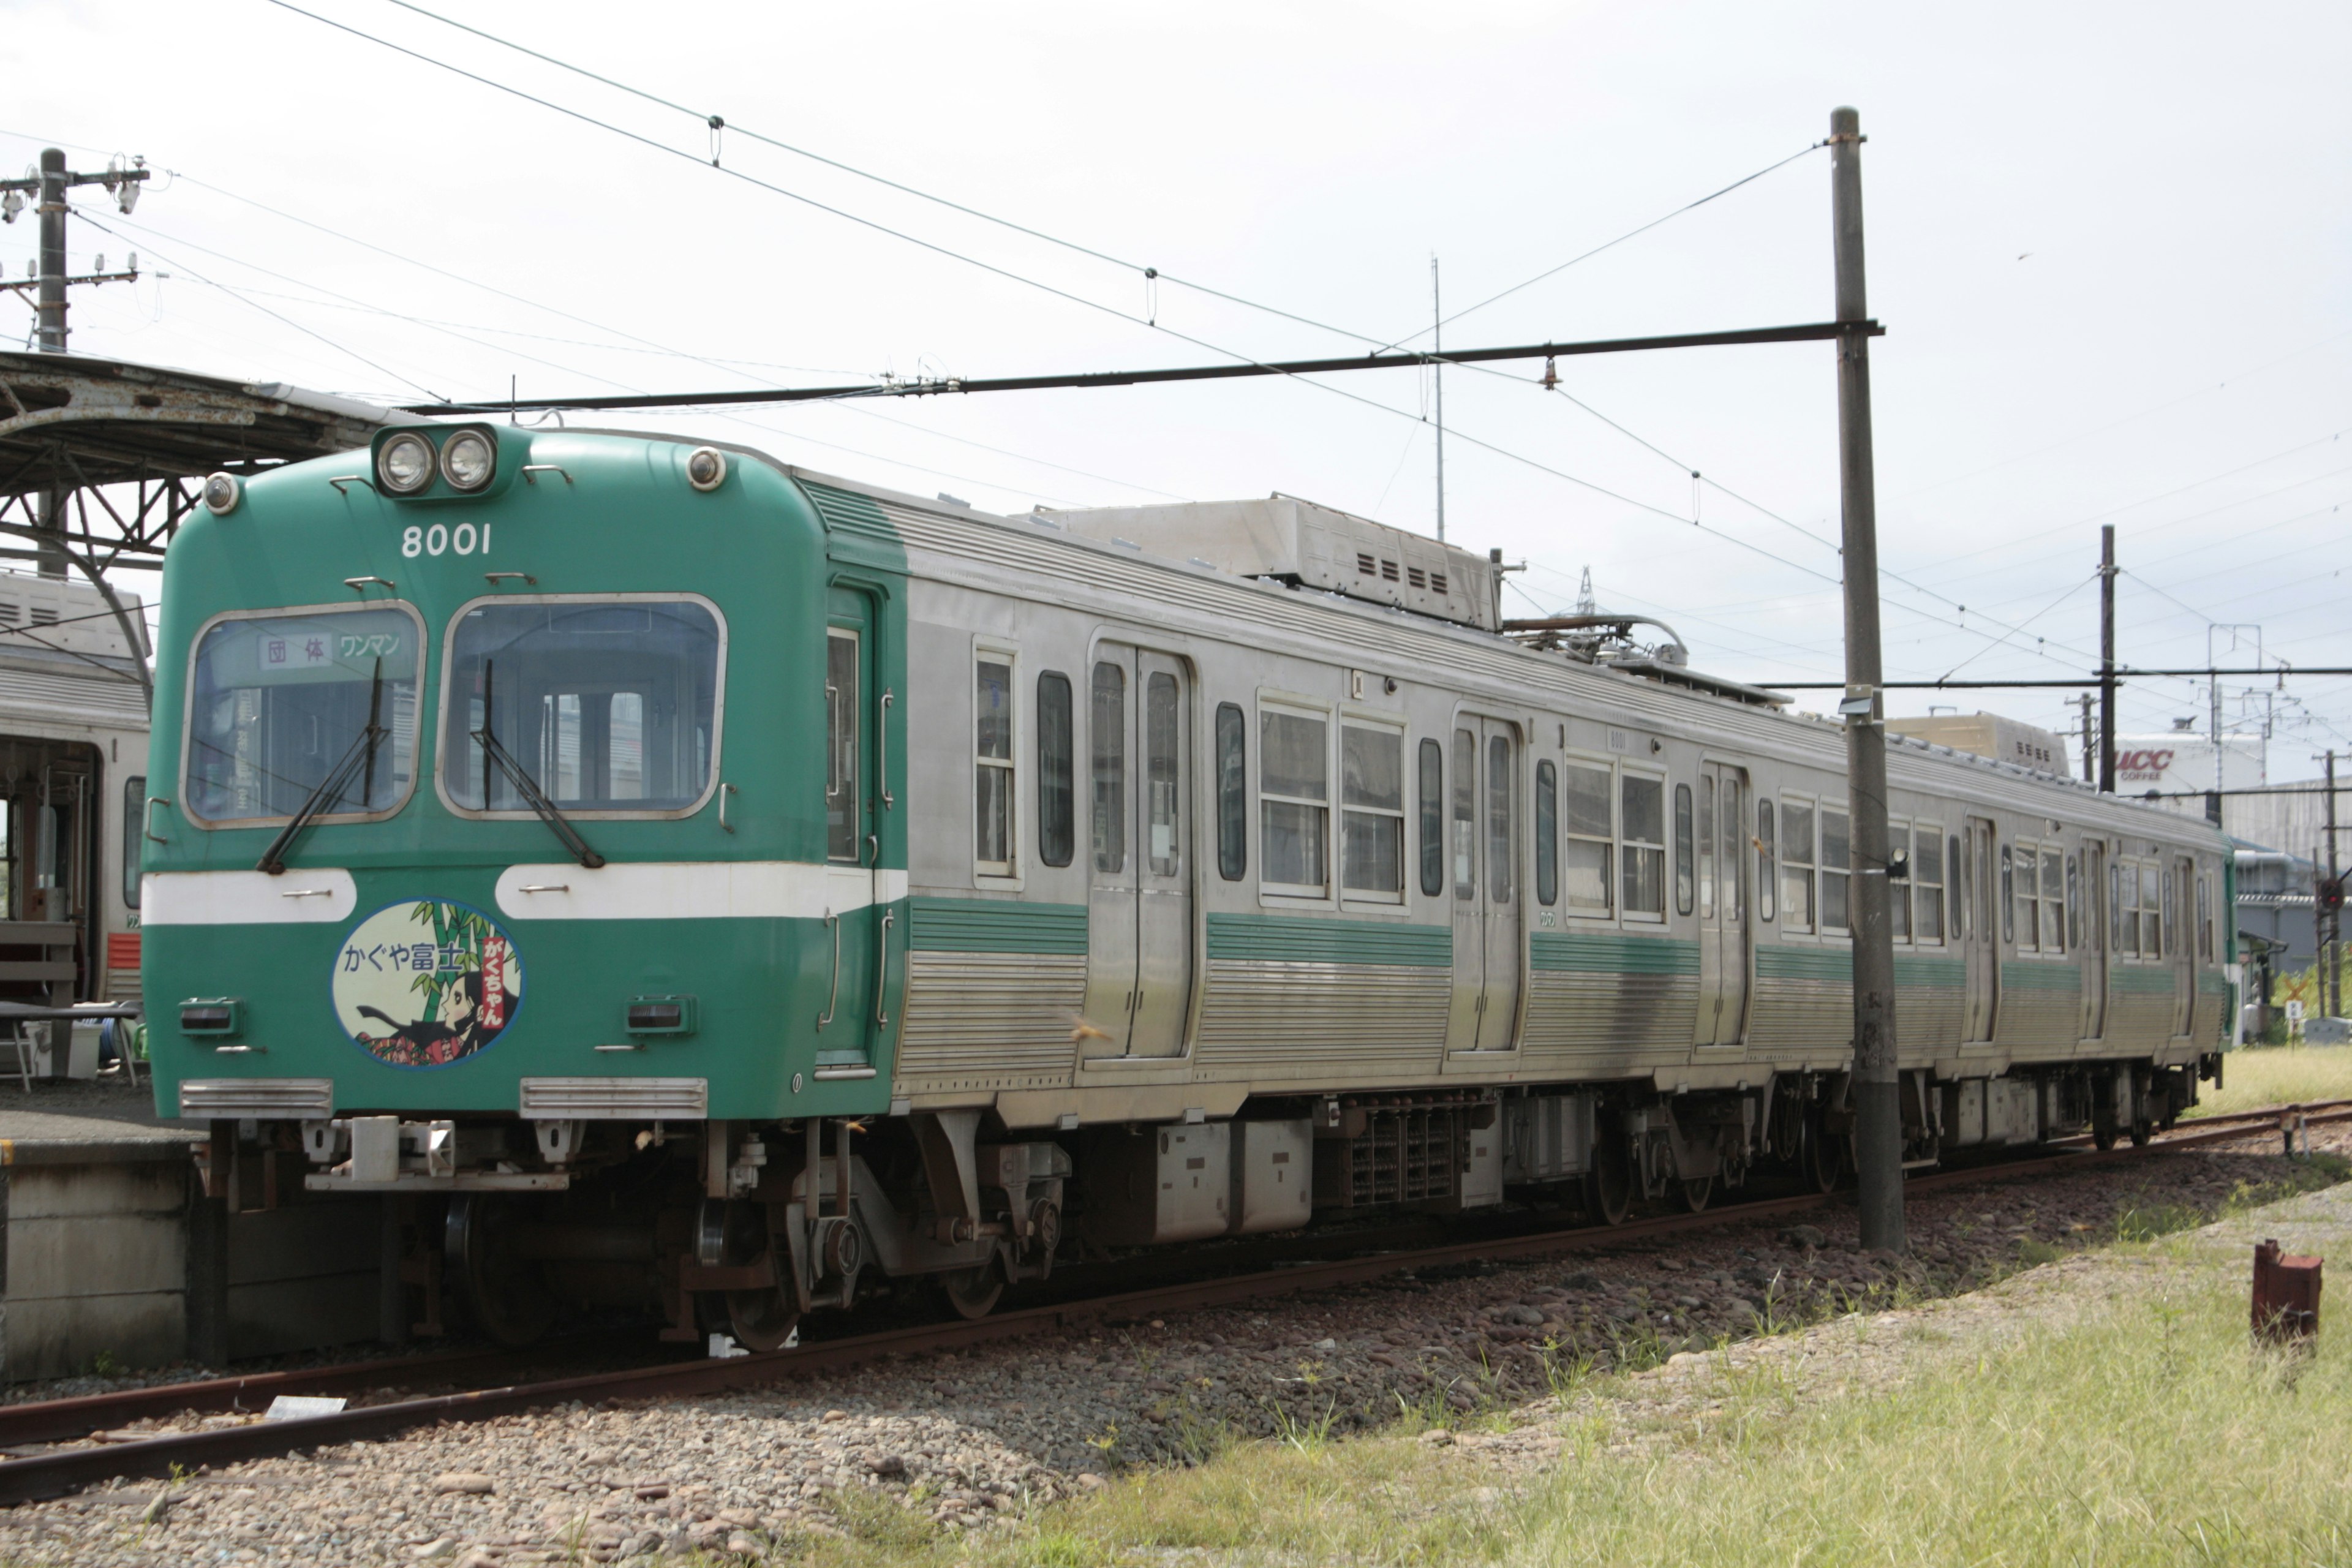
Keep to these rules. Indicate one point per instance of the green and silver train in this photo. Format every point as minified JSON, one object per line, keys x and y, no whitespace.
{"x":681,"y":881}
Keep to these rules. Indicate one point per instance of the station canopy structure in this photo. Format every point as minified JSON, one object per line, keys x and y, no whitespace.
{"x":100,"y":461}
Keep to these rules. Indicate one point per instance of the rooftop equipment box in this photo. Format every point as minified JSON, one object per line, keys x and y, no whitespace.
{"x":1307,"y":545}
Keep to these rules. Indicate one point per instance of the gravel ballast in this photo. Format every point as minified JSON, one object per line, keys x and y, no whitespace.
{"x":963,"y":1440}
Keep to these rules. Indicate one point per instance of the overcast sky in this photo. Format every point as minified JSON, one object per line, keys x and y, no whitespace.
{"x":2109,"y":243}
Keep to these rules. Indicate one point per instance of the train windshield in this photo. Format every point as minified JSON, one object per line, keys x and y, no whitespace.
{"x":282,"y":702}
{"x":608,"y":705}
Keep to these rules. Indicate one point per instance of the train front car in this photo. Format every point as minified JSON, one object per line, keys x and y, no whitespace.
{"x":495,"y":879}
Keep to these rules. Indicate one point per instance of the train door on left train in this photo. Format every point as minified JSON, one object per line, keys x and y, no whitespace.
{"x":1488,"y":942}
{"x":1140,"y":909}
{"x":1722,"y":905}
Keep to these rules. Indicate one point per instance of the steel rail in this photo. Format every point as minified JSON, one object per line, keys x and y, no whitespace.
{"x":53,"y":1473}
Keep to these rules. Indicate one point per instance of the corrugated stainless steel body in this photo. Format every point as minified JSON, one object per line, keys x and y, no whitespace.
{"x":1339,"y":992}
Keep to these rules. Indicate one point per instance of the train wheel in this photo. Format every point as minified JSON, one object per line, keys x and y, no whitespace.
{"x":1695,"y":1192}
{"x":1609,"y":1186}
{"x":1824,"y":1158}
{"x":973,"y":1292}
{"x":762,"y":1320}
{"x":502,"y":1292}
{"x":2102,"y":1137}
{"x":2143,"y":1133}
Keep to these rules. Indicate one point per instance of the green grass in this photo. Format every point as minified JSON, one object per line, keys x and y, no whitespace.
{"x":2278,"y":1074}
{"x":2138,"y":1426}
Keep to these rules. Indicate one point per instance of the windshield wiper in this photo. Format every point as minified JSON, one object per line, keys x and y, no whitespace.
{"x":527,"y":788}
{"x":330,"y":791}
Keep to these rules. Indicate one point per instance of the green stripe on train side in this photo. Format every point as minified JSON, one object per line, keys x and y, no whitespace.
{"x":2143,"y":978}
{"x":1925,"y":972}
{"x":2212,"y":983}
{"x":1804,"y":963}
{"x":1295,"y":939}
{"x":2042,"y":977}
{"x":1606,"y":953}
{"x":994,"y":925}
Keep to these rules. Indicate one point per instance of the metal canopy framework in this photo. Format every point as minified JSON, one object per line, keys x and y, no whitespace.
{"x":97,"y":455}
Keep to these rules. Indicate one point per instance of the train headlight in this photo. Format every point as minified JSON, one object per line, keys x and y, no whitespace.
{"x":469,"y":460}
{"x":403,"y":464}
{"x":706,"y":468}
{"x":222,"y":493}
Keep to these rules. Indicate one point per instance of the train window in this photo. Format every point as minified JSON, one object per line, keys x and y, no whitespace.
{"x":1107,"y":719}
{"x":2073,"y":901}
{"x":1589,"y":847}
{"x":2122,"y":906}
{"x":2204,"y":918}
{"x":609,"y":706}
{"x":279,"y":703}
{"x":1371,"y":816}
{"x":1641,"y":819}
{"x":1797,"y":864}
{"x":2164,"y":916}
{"x":992,"y":781}
{"x":1898,"y":888}
{"x":841,"y":746}
{"x":1499,"y":833}
{"x":1465,"y":814}
{"x":1433,"y":819}
{"x":134,"y":833}
{"x":1546,"y":834}
{"x":1767,"y":875}
{"x":1232,"y":793}
{"x":1294,"y":795}
{"x":1706,"y":825}
{"x":1160,"y":774}
{"x":1057,"y":755}
{"x":2028,"y":921}
{"x":1682,"y":850}
{"x":2008,"y":893}
{"x":1837,"y":873}
{"x":2055,"y":894}
{"x":1927,"y":882}
{"x":2151,"y":911}
{"x":1956,"y":882}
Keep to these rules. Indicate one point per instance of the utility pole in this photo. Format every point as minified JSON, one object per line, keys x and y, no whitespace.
{"x":2090,"y":752}
{"x":2108,"y":660}
{"x":1878,"y":1111}
{"x":48,"y":188}
{"x":1437,"y":346}
{"x":2332,"y":937}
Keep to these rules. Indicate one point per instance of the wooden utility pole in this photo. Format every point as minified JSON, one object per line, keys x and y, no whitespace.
{"x":1878,"y":1110}
{"x":2108,"y":660}
{"x":2332,"y":922}
{"x":2090,"y":746}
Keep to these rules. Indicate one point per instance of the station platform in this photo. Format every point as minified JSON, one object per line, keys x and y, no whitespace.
{"x":86,"y":1110}
{"x":115,"y":1256}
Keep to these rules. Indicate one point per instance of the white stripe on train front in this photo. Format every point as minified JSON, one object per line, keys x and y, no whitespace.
{"x":304,"y":895}
{"x":693,"y":889}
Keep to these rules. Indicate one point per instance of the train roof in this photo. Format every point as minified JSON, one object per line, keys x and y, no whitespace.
{"x":1014,"y":552}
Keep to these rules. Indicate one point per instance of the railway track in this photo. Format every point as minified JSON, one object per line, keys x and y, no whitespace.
{"x":65,"y":1470}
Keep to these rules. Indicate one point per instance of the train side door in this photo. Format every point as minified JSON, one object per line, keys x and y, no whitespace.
{"x":857,"y":1012}
{"x":1979,"y":905}
{"x":1139,"y":909}
{"x":1483,"y":838}
{"x":2096,"y":924}
{"x":1723,"y":930}
{"x":2180,"y":940}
